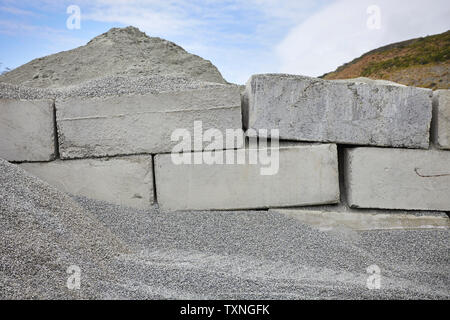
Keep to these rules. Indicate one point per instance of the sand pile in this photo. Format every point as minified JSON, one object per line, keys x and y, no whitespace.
{"x":42,"y":233}
{"x":118,"y":52}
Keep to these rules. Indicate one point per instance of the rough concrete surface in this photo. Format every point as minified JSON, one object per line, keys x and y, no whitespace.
{"x":348,"y":112}
{"x":126,"y":181}
{"x":441,"y":119}
{"x":27,"y":130}
{"x":133,"y":124}
{"x":307,"y":175}
{"x":120,"y":51}
{"x":360,"y":220}
{"x":397,"y":178}
{"x":371,"y":81}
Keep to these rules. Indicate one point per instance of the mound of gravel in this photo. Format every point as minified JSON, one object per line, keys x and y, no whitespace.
{"x":107,"y":86}
{"x":118,"y":52}
{"x":42,"y":233}
{"x":149,"y":254}
{"x":13,"y":91}
{"x":266,"y":255}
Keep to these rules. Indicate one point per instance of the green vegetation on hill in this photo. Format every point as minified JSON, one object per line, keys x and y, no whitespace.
{"x":423,"y":51}
{"x":423,"y":62}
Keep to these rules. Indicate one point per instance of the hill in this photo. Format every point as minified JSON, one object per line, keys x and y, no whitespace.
{"x":422,"y":62}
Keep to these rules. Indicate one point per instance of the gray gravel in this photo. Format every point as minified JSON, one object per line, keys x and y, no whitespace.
{"x":146,"y":254}
{"x":42,"y":233}
{"x":118,"y":52}
{"x":118,"y":62}
{"x":265,"y":255}
{"x":107,"y":86}
{"x":11,"y":91}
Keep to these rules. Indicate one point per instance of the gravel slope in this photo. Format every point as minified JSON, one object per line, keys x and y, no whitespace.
{"x":118,"y":52}
{"x":150,"y":254}
{"x":265,"y":255}
{"x":42,"y":233}
{"x":107,"y":86}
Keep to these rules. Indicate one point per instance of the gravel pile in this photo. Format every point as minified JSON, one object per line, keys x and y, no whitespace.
{"x":119,"y":85}
{"x":107,"y":86}
{"x":42,"y":233}
{"x":266,"y":255}
{"x":150,"y":254}
{"x":12,"y":91}
{"x":118,"y":52}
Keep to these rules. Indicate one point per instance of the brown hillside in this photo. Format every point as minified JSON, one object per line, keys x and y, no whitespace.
{"x":422,"y":62}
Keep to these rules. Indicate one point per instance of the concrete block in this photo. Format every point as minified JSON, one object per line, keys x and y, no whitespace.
{"x":363,"y":221}
{"x":134,"y":124}
{"x":307,"y":175}
{"x":441,"y":119}
{"x":355,"y":112}
{"x":126,"y":181}
{"x":27,"y":131}
{"x":397,"y":179}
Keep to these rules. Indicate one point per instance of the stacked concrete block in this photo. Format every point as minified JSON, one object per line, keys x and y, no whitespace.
{"x":27,"y":130}
{"x":397,"y":179}
{"x":362,"y":220}
{"x":135,"y":124}
{"x":126,"y":181}
{"x":307,"y":175}
{"x":107,"y":138}
{"x":354,"y":112}
{"x":441,"y":119}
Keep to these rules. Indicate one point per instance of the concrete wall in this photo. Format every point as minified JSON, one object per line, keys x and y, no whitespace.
{"x":131,"y":129}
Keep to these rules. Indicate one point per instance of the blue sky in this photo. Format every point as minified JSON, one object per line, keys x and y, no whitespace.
{"x":241,"y":38}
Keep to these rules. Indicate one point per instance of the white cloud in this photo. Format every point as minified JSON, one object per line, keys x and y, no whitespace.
{"x":339,"y":33}
{"x":56,"y":37}
{"x":16,"y":11}
{"x":158,"y":17}
{"x":168,"y":17}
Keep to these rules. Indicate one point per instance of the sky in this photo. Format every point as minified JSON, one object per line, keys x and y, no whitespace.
{"x":241,"y":37}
